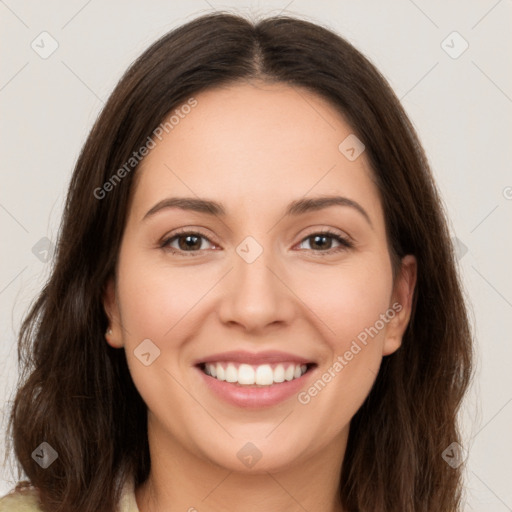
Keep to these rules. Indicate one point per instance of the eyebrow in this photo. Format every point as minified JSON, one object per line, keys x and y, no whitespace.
{"x":295,"y":208}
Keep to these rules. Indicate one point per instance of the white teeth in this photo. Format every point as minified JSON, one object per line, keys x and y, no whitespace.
{"x":261,"y":375}
{"x":279,"y":373}
{"x":264,"y":375}
{"x":221,"y":375}
{"x":245,"y":374}
{"x":290,"y":371}
{"x":231,"y":373}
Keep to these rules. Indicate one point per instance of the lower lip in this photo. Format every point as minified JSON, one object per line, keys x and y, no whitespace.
{"x":252,"y":396}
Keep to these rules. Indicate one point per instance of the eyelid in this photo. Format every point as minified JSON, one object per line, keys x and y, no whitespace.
{"x":346,"y":241}
{"x":328,"y":231}
{"x":185,"y":231}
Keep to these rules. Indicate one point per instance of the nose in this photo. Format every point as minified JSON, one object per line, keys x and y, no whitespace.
{"x":257,"y":295}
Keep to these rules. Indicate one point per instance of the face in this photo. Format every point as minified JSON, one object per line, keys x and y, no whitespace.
{"x":264,"y":317}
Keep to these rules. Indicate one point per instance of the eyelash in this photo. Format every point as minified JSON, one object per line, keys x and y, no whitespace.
{"x":345,"y":243}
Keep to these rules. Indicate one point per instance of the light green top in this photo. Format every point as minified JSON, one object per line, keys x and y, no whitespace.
{"x":27,"y":501}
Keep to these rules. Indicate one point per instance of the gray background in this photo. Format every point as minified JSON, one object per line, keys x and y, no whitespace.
{"x":461,"y":107}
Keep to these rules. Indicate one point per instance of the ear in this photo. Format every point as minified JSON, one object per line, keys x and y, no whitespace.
{"x":114,"y":332}
{"x":401,"y":304}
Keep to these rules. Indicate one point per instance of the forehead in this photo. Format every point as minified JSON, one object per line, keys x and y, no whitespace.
{"x":255,"y":144}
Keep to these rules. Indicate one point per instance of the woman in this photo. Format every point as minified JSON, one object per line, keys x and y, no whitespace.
{"x":254,"y":302}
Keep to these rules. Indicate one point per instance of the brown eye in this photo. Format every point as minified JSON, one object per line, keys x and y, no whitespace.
{"x":323,"y":241}
{"x":185,"y":242}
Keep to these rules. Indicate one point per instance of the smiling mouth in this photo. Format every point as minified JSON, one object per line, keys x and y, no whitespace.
{"x":250,"y":375}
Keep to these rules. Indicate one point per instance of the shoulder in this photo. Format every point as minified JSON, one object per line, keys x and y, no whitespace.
{"x":27,"y":500}
{"x":20,"y":501}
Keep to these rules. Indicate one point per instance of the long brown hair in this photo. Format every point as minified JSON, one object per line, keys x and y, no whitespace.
{"x":75,"y":391}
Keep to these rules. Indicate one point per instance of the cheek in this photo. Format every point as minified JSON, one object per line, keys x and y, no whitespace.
{"x":351,"y":305}
{"x":154,"y":304}
{"x":154,"y":307}
{"x":349,"y":299}
{"x":155,"y":298}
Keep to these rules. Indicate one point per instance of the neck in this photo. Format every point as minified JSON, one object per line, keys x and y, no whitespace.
{"x":181,"y":481}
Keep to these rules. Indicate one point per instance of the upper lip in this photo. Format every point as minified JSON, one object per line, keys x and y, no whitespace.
{"x":256,"y":358}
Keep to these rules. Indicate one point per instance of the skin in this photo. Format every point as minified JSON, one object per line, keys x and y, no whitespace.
{"x":254,"y":148}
